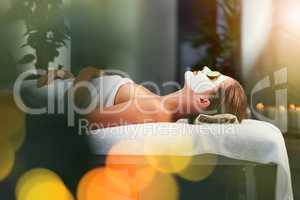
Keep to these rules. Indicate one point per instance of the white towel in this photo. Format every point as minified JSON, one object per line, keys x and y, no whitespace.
{"x":251,"y":140}
{"x":104,"y":90}
{"x":107,"y":88}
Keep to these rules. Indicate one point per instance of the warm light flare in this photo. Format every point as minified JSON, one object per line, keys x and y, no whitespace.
{"x":289,"y":15}
{"x":202,"y":167}
{"x":260,"y":106}
{"x":7,"y":159}
{"x":105,"y":184}
{"x":168,"y":159}
{"x":12,"y":126}
{"x":163,"y":187}
{"x":38,"y":184}
{"x":134,"y":168}
{"x":292,"y":106}
{"x":282,"y":108}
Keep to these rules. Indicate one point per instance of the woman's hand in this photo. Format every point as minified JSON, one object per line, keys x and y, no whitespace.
{"x":88,"y":73}
{"x":53,"y":75}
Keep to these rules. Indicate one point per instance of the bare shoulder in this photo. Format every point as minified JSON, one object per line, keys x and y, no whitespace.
{"x":131,"y":91}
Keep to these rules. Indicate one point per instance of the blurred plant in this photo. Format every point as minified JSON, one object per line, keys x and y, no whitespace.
{"x":46,"y":32}
{"x":220,"y":36}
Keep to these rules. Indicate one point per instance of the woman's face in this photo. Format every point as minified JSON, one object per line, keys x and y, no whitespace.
{"x":205,"y":80}
{"x":200,"y":88}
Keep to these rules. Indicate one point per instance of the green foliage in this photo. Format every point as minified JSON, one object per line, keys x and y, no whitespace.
{"x":47,"y":30}
{"x":221,"y":40}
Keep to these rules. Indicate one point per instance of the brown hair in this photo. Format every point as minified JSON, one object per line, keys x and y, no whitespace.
{"x":230,"y":99}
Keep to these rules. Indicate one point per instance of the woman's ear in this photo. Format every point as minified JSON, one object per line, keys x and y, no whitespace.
{"x":204,"y":101}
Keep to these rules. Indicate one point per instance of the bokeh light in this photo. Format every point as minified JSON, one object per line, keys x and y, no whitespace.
{"x":281,"y":108}
{"x":12,"y":126}
{"x":168,"y":159}
{"x":139,"y":173}
{"x":289,"y":17}
{"x":104,"y":184}
{"x":201,"y":167}
{"x":292,"y":106}
{"x":107,"y":184}
{"x":260,"y":106}
{"x":162,"y":187}
{"x":38,"y":184}
{"x":126,"y":177}
{"x":7,"y":158}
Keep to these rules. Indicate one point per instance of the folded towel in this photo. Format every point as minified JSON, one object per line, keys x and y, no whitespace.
{"x":216,"y":119}
{"x":210,"y":119}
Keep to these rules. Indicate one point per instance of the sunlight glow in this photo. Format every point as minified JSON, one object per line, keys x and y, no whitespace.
{"x":7,"y":159}
{"x":168,"y":159}
{"x":203,"y":166}
{"x":256,"y":28}
{"x":12,"y":126}
{"x":289,"y":16}
{"x":38,"y":184}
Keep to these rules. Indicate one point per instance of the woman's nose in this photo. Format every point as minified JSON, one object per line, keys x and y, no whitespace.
{"x":195,"y":72}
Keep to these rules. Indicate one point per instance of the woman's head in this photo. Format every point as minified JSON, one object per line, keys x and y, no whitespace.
{"x":227,"y":96}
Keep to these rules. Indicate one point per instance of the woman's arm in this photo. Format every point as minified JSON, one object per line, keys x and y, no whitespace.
{"x":53,"y":75}
{"x":133,"y":104}
{"x":135,"y":111}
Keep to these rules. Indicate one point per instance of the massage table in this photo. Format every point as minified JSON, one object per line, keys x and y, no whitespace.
{"x":251,"y":141}
{"x":253,"y":149}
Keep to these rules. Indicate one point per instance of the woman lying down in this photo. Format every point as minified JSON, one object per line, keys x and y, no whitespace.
{"x":124,"y":102}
